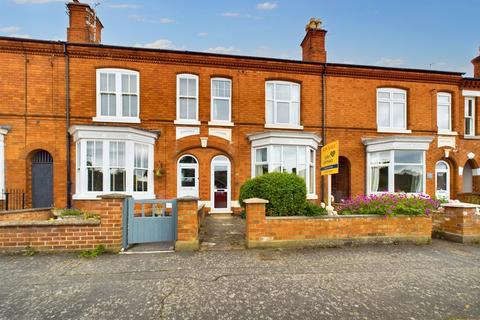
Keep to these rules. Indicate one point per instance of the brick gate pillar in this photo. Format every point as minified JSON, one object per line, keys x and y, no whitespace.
{"x":188,"y":225}
{"x":256,"y":220}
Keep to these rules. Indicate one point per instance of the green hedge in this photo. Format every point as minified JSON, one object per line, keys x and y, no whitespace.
{"x":286,"y":193}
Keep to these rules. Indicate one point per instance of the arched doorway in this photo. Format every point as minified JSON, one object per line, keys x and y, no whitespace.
{"x":187,"y":176}
{"x":341,"y":180}
{"x":220,"y":184}
{"x":42,"y":179}
{"x":442,"y":180}
{"x":467,"y":178}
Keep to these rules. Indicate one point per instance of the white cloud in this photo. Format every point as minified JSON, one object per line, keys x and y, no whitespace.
{"x":161,"y":44}
{"x":124,"y":6}
{"x":391,"y":62}
{"x":267,"y":6}
{"x":222,"y":50}
{"x":19,"y":35}
{"x":141,"y":18}
{"x":10,"y":29}
{"x":231,"y":14}
{"x":202,"y":34}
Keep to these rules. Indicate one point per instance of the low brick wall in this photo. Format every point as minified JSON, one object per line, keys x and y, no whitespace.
{"x":26,"y":214}
{"x":68,"y":234}
{"x":473,"y":197}
{"x":329,"y":231}
{"x":189,"y":220}
{"x":458,"y":222}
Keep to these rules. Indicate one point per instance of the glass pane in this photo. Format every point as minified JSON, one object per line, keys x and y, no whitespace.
{"x":183,"y":87}
{"x":270,"y":112}
{"x":215,"y":88}
{"x":270,"y":91}
{"x":443,"y":117}
{"x":383,"y":95}
{"x":443,"y":98}
{"x":283,"y":112}
{"x":183,"y":108}
{"x":187,"y":177}
{"x":311,"y":173}
{"x":192,"y":88}
{"x":121,"y":154}
{"x":220,"y":177}
{"x":261,"y":155}
{"x":111,"y":82}
{"x":188,"y":159}
{"x":95,"y":179}
{"x":140,"y":181}
{"x":125,"y":88}
{"x":261,"y":169}
{"x":398,"y":96}
{"x":406,"y":156}
{"x":302,"y":171}
{"x":277,"y":154}
{"x":441,"y":166}
{"x":296,"y":93}
{"x":117,"y":179}
{"x":382,"y":157}
{"x":282,"y":92}
{"x":133,"y":106}
{"x":104,"y":104}
{"x":103,"y":82}
{"x":383,"y":114}
{"x":468,"y":126}
{"x":137,"y":156}
{"x":295,"y":112}
{"x":98,"y":153}
{"x":379,"y":179}
{"x":113,"y":154}
{"x":228,"y":89}
{"x":398,"y":115}
{"x":192,"y":109}
{"x":112,"y":105}
{"x":90,"y":153}
{"x":301,"y":155}
{"x":290,"y":159}
{"x":221,"y":110}
{"x":144,"y":156}
{"x":408,"y":178}
{"x":125,"y":105}
{"x":442,"y":181}
{"x":133,"y":83}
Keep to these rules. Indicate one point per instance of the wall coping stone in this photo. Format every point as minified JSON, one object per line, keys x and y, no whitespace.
{"x":460,"y":205}
{"x":50,"y":223}
{"x":355,"y":216}
{"x":25,"y":210}
{"x":187,"y":198}
{"x":255,"y":201}
{"x":114,"y":196}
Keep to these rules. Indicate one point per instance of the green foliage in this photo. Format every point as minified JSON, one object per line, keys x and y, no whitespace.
{"x":390,"y":204}
{"x":98,"y":251}
{"x":286,"y":193}
{"x":94,"y":216}
{"x":71,"y":212}
{"x":29,"y":251}
{"x":312,"y":209}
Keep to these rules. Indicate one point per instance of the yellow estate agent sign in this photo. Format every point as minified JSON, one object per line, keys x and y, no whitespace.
{"x":329,"y":164}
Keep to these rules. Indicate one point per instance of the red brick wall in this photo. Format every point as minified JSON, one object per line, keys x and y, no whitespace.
{"x":457,"y":222}
{"x":298,"y":231}
{"x":26,"y":215}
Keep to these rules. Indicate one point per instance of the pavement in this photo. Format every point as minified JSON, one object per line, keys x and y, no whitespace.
{"x":222,"y":232}
{"x":438,"y":281}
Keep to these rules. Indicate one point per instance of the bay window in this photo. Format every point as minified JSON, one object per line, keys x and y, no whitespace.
{"x":187,"y":99}
{"x":444,"y":112}
{"x":282,"y":104}
{"x":470,"y":116}
{"x":117,"y":95}
{"x":113,"y":160}
{"x":391,"y":109}
{"x":221,"y":101}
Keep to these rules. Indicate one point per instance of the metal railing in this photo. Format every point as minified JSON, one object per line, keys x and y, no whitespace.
{"x":12,"y":199}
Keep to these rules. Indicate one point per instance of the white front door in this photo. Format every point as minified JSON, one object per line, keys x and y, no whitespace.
{"x":442,"y":180}
{"x":220,"y":182}
{"x":187,"y":177}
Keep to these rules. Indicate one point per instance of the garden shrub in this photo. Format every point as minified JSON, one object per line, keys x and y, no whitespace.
{"x":390,"y":204}
{"x":286,"y":193}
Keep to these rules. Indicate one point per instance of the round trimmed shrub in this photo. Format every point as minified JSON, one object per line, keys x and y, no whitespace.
{"x":286,"y":193}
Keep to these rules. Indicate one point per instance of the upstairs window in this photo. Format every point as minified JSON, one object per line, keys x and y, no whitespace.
{"x":282,"y":103}
{"x":187,"y":98}
{"x":117,"y":95}
{"x":221,"y":100}
{"x":391,"y":109}
{"x":470,"y":116}
{"x":444,"y":112}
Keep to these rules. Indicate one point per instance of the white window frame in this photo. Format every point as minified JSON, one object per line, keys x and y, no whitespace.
{"x":118,"y":95}
{"x":470,"y":117}
{"x":275,"y":124}
{"x":84,"y":133}
{"x":215,"y":122}
{"x":449,"y":105}
{"x":3,"y":132}
{"x":187,"y":121}
{"x":447,"y":171}
{"x":390,"y":101}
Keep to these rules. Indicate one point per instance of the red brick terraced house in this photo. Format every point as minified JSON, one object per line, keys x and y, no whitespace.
{"x":79,"y":119}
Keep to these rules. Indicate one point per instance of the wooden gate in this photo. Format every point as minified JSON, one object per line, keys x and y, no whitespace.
{"x":146,"y":221}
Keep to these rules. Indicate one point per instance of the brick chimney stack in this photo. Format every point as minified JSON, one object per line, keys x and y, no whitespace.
{"x":476,"y":66}
{"x":85,"y":27}
{"x":313,"y":45}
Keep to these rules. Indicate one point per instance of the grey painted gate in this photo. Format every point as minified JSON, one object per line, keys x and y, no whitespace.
{"x":147,"y":221}
{"x":42,"y":180}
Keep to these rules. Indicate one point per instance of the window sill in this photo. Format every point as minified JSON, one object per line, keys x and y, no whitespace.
{"x":116,"y":119}
{"x":187,"y":122}
{"x":95,"y":196}
{"x":393,"y":130}
{"x":471,"y":137}
{"x":283,"y":126}
{"x":312,"y":196}
{"x":447,"y":133}
{"x":220,"y":123}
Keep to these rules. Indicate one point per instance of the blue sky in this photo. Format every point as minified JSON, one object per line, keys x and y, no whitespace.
{"x":427,"y":34}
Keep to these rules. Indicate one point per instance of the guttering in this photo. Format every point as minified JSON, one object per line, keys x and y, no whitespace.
{"x":67,"y":122}
{"x":324,"y":136}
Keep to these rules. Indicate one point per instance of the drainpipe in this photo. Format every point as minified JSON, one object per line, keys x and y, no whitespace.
{"x":67,"y":121}
{"x":324,"y":121}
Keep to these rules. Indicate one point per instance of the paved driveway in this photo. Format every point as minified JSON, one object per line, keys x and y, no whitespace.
{"x":441,"y":281}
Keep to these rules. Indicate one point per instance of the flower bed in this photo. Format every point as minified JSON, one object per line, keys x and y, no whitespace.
{"x":390,"y":204}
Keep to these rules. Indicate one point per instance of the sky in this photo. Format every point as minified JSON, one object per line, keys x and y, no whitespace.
{"x":425,"y":34}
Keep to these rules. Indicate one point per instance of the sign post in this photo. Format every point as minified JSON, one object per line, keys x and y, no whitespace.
{"x":329,"y":166}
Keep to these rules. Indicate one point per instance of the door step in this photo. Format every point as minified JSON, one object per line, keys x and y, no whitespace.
{"x":154,"y":247}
